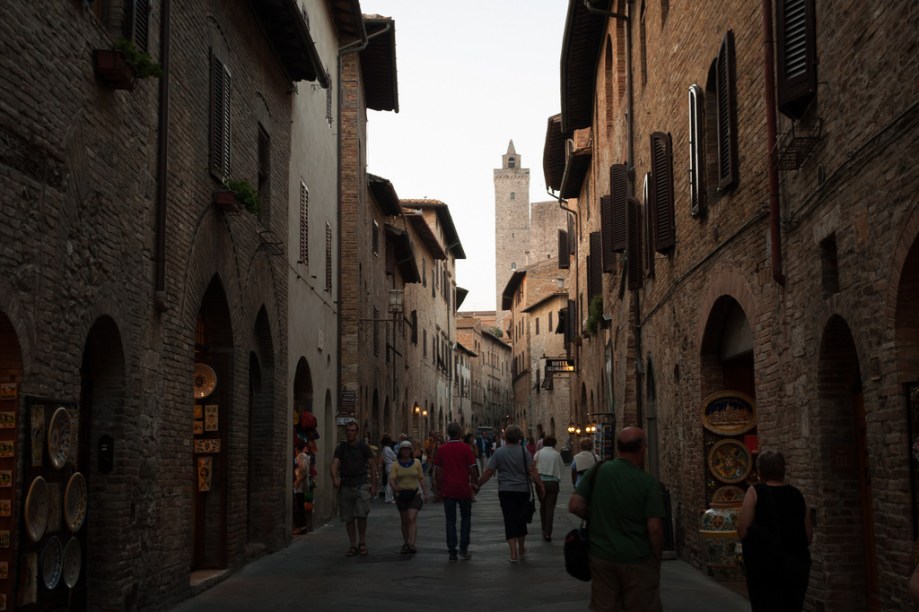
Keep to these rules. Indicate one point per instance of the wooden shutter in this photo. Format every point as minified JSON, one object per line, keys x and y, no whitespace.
{"x":136,"y":23}
{"x":727,"y":120}
{"x":572,"y":236}
{"x":563,"y":255}
{"x":390,"y":258}
{"x":595,"y":269}
{"x":661,"y":208}
{"x":606,"y":229}
{"x":796,"y":42}
{"x":219,"y":120}
{"x":619,"y":193}
{"x":304,"y":223}
{"x":571,"y":320}
{"x":633,"y":252}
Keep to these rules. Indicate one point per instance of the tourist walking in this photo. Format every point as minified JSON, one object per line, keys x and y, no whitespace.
{"x":549,"y":466}
{"x":513,"y":464}
{"x":350,"y":464}
{"x":456,"y":473}
{"x":583,"y":461}
{"x":774,"y":512}
{"x":625,"y":510}
{"x":405,"y":479}
{"x":387,"y":457}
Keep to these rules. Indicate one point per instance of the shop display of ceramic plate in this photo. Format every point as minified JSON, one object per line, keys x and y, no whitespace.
{"x":52,"y":562}
{"x":728,"y":413}
{"x":38,"y":508}
{"x":727,"y":496}
{"x":59,"y":437}
{"x":730,"y":461}
{"x":205,"y":380}
{"x":75,"y":502}
{"x":73,"y":562}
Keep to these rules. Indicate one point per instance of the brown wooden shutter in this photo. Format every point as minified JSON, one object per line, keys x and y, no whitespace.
{"x":571,"y":329}
{"x":572,"y":236}
{"x":563,"y":255}
{"x":390,"y":258}
{"x":796,"y":42}
{"x":136,"y":23}
{"x":304,"y":224}
{"x":726,"y":109}
{"x":619,"y":193}
{"x":219,"y":120}
{"x":606,"y":228}
{"x":633,"y":253}
{"x":595,"y":269}
{"x":661,"y":209}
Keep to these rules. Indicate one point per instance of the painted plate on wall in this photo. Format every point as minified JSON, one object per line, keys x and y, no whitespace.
{"x":205,"y":380}
{"x":59,"y":437}
{"x":75,"y":502}
{"x":73,"y":562}
{"x":728,"y":413}
{"x":730,"y":461}
{"x":38,"y":508}
{"x":727,"y":496}
{"x":52,"y":562}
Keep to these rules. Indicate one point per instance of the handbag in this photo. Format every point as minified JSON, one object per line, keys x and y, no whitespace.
{"x":577,"y":544}
{"x":530,"y":509}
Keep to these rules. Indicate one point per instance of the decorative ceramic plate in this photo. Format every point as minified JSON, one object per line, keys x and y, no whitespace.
{"x":59,"y":437}
{"x":728,"y":413}
{"x":75,"y":502}
{"x":38,"y":508}
{"x":52,"y":562}
{"x":73,"y":562}
{"x":730,"y":461}
{"x":727,"y":496}
{"x":205,"y":380}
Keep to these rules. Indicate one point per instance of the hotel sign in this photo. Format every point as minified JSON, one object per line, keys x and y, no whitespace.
{"x":557,"y":366}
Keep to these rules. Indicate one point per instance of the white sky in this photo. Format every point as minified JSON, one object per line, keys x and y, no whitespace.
{"x":473,"y":75}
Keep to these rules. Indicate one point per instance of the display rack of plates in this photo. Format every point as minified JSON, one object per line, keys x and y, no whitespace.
{"x":52,"y":562}
{"x":73,"y":562}
{"x":59,"y":437}
{"x":38,"y":508}
{"x":75,"y":501}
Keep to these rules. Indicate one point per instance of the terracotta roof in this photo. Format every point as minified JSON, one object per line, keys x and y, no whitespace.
{"x":466,"y":322}
{"x":416,"y":218}
{"x":285,"y":27}
{"x":384,"y":194}
{"x":581,"y":46}
{"x":349,"y":23}
{"x":446,"y":221}
{"x":378,"y":64}
{"x":553,"y":153}
{"x":576,"y":166}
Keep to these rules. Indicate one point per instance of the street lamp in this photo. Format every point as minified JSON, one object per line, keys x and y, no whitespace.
{"x":572,"y":427}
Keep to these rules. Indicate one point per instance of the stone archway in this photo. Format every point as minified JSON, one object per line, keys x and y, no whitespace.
{"x":264,"y":473}
{"x":848,"y":518}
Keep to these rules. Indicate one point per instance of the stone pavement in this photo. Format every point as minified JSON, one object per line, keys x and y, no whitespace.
{"x":314,"y":574}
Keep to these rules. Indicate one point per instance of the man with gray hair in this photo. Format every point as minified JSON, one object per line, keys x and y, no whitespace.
{"x":455,"y":473}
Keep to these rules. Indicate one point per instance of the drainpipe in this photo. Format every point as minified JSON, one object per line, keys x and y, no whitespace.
{"x":162,"y":163}
{"x":775,"y":236}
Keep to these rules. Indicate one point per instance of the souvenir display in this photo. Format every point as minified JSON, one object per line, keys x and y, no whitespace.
{"x":4,"y":539}
{"x":4,"y":570}
{"x":205,"y":470}
{"x":7,"y":448}
{"x":6,"y":507}
{"x":28,"y":579}
{"x":730,"y":461}
{"x":73,"y":562}
{"x":211,"y":413}
{"x":210,"y":445}
{"x":728,"y":413}
{"x":198,"y":411}
{"x":198,"y":427}
{"x":38,"y":507}
{"x":38,"y":433}
{"x":7,"y":420}
{"x":6,"y":478}
{"x":727,"y":496}
{"x":205,"y":380}
{"x":59,"y":437}
{"x":75,"y":502}
{"x":8,"y":391}
{"x":52,"y":562}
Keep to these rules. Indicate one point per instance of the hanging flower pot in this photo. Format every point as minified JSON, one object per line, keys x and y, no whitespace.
{"x":225,"y":200}
{"x":112,"y":68}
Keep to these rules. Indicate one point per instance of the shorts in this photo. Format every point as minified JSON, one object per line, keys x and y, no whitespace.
{"x":625,"y":586}
{"x":354,"y":502}
{"x":409,"y":500}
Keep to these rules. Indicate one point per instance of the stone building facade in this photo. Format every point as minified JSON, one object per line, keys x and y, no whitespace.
{"x":143,"y":309}
{"x":758,"y":253}
{"x":490,"y":370}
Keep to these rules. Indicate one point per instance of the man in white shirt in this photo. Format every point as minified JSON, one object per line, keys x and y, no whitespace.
{"x":583,"y":461}
{"x":549,"y":464}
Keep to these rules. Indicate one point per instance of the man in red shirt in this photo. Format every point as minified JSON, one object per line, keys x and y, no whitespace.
{"x":455,"y":473}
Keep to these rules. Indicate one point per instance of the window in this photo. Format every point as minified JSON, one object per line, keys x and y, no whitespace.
{"x":550,"y":323}
{"x":563,"y":254}
{"x":219,"y":120}
{"x":511,"y":162}
{"x":264,"y":173}
{"x":727,"y":120}
{"x":537,"y":326}
{"x":127,"y":18}
{"x":661,"y":193}
{"x":328,"y":257}
{"x":696,"y":150}
{"x":616,"y":214}
{"x":376,"y":331}
{"x":424,"y":342}
{"x":304,"y":224}
{"x":796,"y":45}
{"x":414,"y":323}
{"x":647,"y":229}
{"x":513,"y":196}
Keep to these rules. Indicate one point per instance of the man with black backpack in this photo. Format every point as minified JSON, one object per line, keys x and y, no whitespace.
{"x":350,"y":465}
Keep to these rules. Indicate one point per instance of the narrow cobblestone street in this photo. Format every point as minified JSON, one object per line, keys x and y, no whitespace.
{"x":314,"y":574}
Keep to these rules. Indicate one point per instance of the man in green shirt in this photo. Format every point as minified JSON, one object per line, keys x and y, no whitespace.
{"x":625,"y":508}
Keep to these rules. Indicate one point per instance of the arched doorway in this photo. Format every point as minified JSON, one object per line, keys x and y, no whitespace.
{"x":102,"y":422}
{"x":213,"y":392}
{"x":848,"y":519}
{"x":263,"y":472}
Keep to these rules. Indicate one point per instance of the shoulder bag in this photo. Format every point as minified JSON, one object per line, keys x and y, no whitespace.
{"x":577,"y":543}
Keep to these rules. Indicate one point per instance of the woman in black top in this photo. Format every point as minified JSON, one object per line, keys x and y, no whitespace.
{"x":774,"y":526}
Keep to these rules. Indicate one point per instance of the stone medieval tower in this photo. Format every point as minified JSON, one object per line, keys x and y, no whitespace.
{"x":512,"y":221}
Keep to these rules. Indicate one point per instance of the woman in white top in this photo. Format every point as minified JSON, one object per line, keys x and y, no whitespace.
{"x":549,"y":465}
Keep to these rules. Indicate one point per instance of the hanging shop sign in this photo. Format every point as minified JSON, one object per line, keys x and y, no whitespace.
{"x":559,"y":366}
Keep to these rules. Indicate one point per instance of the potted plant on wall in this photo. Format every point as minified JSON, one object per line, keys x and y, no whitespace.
{"x":123,"y":64}
{"x":235,"y":194}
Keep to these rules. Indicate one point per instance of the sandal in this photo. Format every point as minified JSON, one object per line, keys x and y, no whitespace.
{"x":412,"y":550}
{"x":405,"y":549}
{"x":362,"y":549}
{"x":351,"y":552}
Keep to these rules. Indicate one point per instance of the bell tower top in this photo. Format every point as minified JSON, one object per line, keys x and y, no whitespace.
{"x":510,"y":160}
